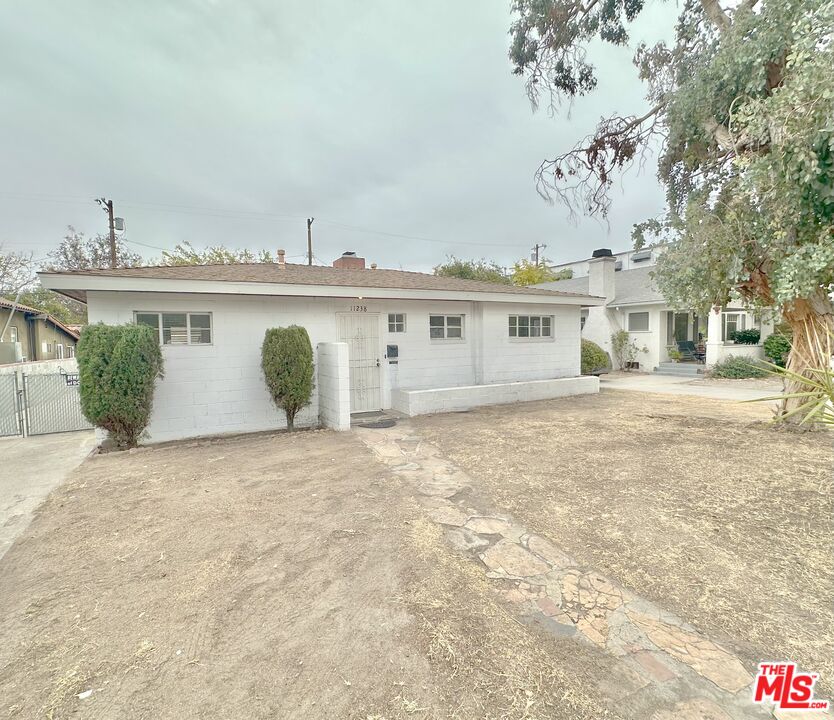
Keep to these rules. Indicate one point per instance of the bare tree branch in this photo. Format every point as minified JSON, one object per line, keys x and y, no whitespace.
{"x":584,"y":174}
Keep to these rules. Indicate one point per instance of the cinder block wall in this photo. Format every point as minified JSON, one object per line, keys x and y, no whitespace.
{"x":334,"y":385}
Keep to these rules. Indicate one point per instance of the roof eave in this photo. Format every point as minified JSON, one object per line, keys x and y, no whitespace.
{"x":74,"y":285}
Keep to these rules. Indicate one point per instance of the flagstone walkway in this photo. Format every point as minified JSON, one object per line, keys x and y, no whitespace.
{"x":667,"y":669}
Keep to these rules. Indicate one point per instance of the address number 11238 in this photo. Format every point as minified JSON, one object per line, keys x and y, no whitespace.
{"x":359,"y":308}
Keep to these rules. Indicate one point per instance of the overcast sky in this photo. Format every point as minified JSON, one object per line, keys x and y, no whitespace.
{"x":221,"y":122}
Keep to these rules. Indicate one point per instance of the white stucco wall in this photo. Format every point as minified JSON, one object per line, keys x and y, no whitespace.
{"x":219,"y":388}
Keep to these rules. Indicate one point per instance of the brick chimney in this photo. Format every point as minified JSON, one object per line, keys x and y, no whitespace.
{"x":349,"y":261}
{"x":601,"y":274}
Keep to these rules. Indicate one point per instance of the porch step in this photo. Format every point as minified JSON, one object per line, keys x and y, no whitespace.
{"x":679,"y":369}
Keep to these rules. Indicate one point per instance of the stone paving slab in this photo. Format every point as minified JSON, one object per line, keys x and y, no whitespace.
{"x":664,"y":663}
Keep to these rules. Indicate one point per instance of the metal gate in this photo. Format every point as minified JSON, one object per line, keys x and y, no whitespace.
{"x":52,"y":404}
{"x":11,"y":422}
{"x":361,"y":333}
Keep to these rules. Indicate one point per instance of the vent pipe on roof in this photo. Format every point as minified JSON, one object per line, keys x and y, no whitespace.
{"x":281,"y":257}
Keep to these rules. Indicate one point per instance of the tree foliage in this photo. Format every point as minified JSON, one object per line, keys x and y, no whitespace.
{"x":741,"y":106}
{"x":67,"y":310}
{"x":16,"y":271}
{"x":118,"y":367}
{"x":528,"y":273}
{"x":79,"y":252}
{"x":482,"y":269}
{"x":287,"y":362}
{"x":186,"y":254}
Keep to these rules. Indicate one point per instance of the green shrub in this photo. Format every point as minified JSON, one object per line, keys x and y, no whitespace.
{"x":746,"y":337}
{"x":287,"y":362}
{"x":594,"y":358}
{"x":737,"y":368}
{"x":118,"y":367}
{"x":776,"y":348}
{"x":625,"y":350}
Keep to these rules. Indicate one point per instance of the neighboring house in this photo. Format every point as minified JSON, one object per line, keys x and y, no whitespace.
{"x":633,"y":303}
{"x":33,"y":335}
{"x":404,"y":331}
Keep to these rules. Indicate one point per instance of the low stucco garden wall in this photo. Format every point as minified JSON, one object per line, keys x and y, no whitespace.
{"x":439,"y":400}
{"x":719,"y":351}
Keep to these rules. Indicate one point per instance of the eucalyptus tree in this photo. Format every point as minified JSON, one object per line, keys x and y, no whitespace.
{"x":741,"y":106}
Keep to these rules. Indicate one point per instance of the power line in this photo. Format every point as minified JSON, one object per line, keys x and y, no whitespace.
{"x":247,"y":215}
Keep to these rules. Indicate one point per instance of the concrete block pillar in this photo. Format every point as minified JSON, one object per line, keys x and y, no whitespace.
{"x":333,"y":385}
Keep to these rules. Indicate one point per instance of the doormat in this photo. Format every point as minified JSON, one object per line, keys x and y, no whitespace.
{"x":379,"y":424}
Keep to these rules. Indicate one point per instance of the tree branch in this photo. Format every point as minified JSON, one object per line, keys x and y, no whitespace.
{"x":584,"y":174}
{"x":716,"y":13}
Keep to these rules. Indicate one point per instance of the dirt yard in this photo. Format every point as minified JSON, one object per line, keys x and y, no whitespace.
{"x":698,"y":504}
{"x":287,"y":576}
{"x":307,"y":575}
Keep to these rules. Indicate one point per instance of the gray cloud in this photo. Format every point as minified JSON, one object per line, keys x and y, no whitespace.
{"x":243,"y":118}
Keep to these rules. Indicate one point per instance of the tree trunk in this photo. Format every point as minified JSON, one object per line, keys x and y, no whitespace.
{"x":812,"y":322}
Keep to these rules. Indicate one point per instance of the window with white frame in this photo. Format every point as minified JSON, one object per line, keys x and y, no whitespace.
{"x":70,"y":351}
{"x":59,"y":351}
{"x":638,"y":322}
{"x":731,"y":323}
{"x":178,"y":328}
{"x":446,"y":327}
{"x":531,"y":326}
{"x":396,"y":322}
{"x":13,"y":333}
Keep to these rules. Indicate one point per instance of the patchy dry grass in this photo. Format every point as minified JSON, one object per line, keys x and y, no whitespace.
{"x":696,"y":504}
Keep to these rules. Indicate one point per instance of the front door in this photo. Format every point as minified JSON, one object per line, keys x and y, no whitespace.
{"x":361,"y":332}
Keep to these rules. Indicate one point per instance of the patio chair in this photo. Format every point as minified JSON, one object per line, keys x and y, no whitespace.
{"x":689,"y":351}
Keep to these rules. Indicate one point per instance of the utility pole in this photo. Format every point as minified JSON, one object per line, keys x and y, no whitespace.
{"x":310,"y":241}
{"x":107,"y":206}
{"x":536,"y":249}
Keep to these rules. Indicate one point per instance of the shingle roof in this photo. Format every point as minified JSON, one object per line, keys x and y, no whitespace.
{"x":635,"y":286}
{"x":313,"y":275}
{"x":630,"y":287}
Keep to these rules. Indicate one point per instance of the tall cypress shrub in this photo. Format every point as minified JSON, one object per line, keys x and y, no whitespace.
{"x":118,"y":367}
{"x":287,"y":362}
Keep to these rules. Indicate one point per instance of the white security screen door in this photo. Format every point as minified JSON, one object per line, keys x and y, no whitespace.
{"x":361,"y":332}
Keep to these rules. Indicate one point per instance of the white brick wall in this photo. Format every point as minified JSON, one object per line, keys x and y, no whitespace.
{"x":219,"y":388}
{"x":334,"y":385}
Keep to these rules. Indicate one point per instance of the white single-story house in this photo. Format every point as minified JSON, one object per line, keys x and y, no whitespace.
{"x":633,"y":303}
{"x":383,"y":339}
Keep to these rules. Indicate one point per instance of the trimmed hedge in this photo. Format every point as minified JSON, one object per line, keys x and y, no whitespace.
{"x":776,"y":349}
{"x":287,"y":362}
{"x":117,"y":369}
{"x":737,"y":367}
{"x":594,"y":358}
{"x":746,"y":337}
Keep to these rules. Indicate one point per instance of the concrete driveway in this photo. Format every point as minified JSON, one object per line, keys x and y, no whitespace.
{"x":738,"y":390}
{"x":31,"y":468}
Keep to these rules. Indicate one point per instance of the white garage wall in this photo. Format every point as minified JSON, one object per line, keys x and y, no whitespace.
{"x":219,"y":388}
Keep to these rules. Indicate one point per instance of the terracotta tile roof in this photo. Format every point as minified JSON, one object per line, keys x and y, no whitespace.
{"x":20,"y":307}
{"x":314,"y":275}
